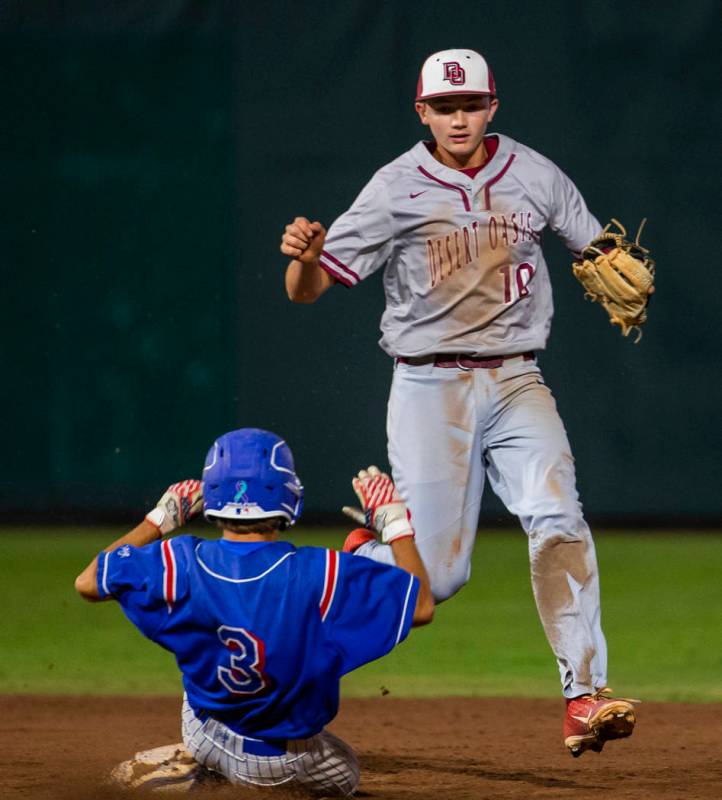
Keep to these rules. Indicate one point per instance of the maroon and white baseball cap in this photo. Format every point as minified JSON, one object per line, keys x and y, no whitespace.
{"x":455,"y":72}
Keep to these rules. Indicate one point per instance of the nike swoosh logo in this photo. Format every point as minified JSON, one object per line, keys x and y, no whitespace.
{"x":412,"y":195}
{"x":579,"y":719}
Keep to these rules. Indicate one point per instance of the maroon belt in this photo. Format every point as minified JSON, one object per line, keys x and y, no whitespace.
{"x":462,"y":360}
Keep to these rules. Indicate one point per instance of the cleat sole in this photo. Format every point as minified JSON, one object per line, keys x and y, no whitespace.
{"x":590,"y":743}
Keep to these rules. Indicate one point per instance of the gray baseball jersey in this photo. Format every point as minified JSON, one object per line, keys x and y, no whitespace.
{"x":465,"y":271}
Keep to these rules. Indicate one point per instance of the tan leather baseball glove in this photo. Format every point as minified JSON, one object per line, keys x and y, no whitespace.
{"x":619,"y":275}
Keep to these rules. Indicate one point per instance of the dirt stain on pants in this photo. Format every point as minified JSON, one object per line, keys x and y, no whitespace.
{"x":566,"y":589}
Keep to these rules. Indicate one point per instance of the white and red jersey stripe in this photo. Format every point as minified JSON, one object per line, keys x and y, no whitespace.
{"x":330,"y":582}
{"x":338,"y":270}
{"x":170,"y":574}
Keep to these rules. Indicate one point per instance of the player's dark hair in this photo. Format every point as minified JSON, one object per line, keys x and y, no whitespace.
{"x":252,"y":526}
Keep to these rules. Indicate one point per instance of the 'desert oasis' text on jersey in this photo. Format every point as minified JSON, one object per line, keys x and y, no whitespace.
{"x":464,"y":271}
{"x":262,"y":631}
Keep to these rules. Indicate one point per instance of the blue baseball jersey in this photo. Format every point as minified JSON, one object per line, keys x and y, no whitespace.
{"x":262,"y":631}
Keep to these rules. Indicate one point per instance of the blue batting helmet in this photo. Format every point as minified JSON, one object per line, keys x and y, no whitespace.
{"x":249,"y":475}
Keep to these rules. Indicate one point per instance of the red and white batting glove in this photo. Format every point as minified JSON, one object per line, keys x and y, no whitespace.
{"x":384,"y":510}
{"x":180,"y":503}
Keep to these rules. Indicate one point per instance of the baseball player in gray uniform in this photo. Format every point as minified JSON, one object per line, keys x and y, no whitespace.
{"x":456,"y":225}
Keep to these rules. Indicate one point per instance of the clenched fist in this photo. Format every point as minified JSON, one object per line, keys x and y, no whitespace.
{"x":303,"y":240}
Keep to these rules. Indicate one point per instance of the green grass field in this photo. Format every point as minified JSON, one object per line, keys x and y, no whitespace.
{"x":661,"y":602}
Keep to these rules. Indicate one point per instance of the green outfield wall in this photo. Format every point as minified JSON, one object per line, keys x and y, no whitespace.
{"x":151,"y":155}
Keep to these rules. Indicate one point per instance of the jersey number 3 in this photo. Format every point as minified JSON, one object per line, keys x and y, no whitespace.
{"x":244,"y":675}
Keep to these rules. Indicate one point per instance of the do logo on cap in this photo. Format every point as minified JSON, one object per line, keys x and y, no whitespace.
{"x":455,"y":72}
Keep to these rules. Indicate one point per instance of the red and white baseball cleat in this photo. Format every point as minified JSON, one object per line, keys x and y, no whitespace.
{"x":593,"y":719}
{"x":356,"y":538}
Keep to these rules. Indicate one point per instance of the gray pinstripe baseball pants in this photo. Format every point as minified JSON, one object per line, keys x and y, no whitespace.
{"x":324,"y":763}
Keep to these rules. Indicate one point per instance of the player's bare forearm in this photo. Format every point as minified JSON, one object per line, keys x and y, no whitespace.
{"x":86,"y":584}
{"x":305,"y":283}
{"x":407,"y":557}
{"x":303,"y":242}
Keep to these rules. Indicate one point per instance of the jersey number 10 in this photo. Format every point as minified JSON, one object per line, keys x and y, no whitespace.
{"x":244,"y":675}
{"x":516,"y":280}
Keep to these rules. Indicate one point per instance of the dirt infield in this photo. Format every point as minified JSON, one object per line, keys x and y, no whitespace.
{"x":62,"y":747}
